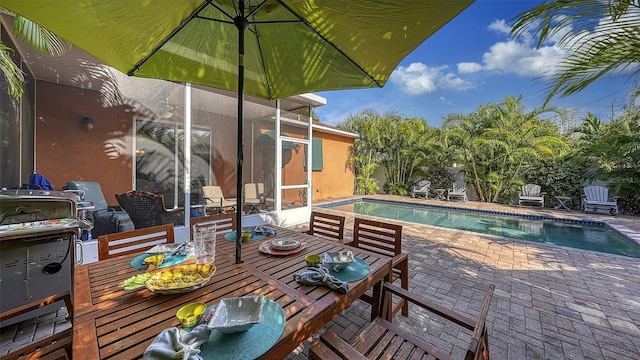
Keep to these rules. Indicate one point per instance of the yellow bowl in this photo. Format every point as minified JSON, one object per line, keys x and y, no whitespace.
{"x":312,"y":260}
{"x":190,"y":314}
{"x":154,"y":261}
{"x":246,"y":236}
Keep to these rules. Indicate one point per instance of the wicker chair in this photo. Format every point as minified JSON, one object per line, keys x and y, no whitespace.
{"x":146,"y":209}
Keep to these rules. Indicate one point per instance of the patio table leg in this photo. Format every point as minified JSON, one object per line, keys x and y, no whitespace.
{"x":562,"y":200}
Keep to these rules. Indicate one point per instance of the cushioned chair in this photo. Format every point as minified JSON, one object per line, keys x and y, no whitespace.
{"x":106,"y":219}
{"x":385,"y":239}
{"x":254,"y":196}
{"x":214,"y":199}
{"x":326,"y":225}
{"x":134,"y":241}
{"x":56,"y":346}
{"x":146,"y":209}
{"x":381,"y":339}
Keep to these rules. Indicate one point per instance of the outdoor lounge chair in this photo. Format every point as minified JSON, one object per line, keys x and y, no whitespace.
{"x":381,"y":339}
{"x":215,"y":199}
{"x":459,"y":191}
{"x":531,"y":194}
{"x":146,"y":209}
{"x":254,"y":196}
{"x":106,"y":219}
{"x":596,"y":199}
{"x":421,"y":189}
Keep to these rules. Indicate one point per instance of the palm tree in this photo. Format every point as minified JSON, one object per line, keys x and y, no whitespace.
{"x":602,"y":36}
{"x":498,"y":142}
{"x":39,"y":38}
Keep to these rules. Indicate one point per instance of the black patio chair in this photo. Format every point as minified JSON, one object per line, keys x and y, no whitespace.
{"x":146,"y":209}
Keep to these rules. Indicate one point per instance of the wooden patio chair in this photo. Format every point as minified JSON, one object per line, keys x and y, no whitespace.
{"x":458,"y":191}
{"x":421,"y":189}
{"x":531,"y":194}
{"x":147,"y":209}
{"x":326,"y":225}
{"x":596,"y":199}
{"x":381,"y":339}
{"x":129,"y":242}
{"x":56,"y":346}
{"x":384,"y":239}
{"x":214,"y":199}
{"x":224,"y":222}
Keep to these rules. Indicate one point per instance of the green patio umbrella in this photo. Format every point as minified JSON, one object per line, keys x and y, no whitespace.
{"x":266,"y":48}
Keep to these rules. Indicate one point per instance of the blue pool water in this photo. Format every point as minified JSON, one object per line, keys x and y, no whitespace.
{"x":581,"y":236}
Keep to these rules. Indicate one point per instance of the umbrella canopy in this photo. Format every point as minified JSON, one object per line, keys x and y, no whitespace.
{"x":266,"y":48}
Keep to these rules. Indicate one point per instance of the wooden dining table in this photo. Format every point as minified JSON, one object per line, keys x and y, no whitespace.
{"x":113,"y":323}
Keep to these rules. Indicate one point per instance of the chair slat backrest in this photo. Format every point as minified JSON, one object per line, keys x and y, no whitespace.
{"x":327,"y":225}
{"x":530,"y":190}
{"x":459,"y":186}
{"x":596,"y":193}
{"x":376,"y":236}
{"x":224,"y":222}
{"x":129,"y":242}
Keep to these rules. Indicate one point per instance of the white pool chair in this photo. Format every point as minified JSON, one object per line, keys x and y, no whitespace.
{"x":421,"y":189}
{"x":531,"y":194}
{"x":596,"y":199}
{"x":459,"y":191}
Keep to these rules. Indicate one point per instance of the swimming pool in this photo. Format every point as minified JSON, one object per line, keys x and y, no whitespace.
{"x":575,"y":235}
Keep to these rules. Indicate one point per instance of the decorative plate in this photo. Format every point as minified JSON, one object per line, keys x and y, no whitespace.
{"x":180,"y":279}
{"x":285,"y":243}
{"x":267,"y":248}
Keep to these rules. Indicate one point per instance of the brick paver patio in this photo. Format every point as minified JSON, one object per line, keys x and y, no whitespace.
{"x":550,"y":302}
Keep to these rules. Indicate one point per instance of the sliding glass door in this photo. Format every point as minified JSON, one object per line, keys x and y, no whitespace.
{"x":159,"y":160}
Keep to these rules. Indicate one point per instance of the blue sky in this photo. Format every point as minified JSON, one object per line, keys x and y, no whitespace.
{"x":469,"y":62}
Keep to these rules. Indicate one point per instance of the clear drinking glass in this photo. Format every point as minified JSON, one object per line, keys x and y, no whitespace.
{"x":204,"y":243}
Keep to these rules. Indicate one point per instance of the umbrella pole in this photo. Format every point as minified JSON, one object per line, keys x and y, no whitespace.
{"x":241,"y":23}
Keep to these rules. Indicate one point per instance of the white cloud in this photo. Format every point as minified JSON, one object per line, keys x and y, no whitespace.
{"x":444,"y":100}
{"x":500,"y":26}
{"x":419,"y":79}
{"x":468,"y":67}
{"x":520,"y":56}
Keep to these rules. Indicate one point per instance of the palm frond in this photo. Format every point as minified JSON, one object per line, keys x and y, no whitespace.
{"x":11,"y":71}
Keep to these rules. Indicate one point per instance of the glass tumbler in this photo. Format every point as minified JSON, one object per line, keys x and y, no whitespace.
{"x":204,"y":243}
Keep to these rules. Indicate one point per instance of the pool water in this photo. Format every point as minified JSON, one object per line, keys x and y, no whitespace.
{"x":581,"y":236}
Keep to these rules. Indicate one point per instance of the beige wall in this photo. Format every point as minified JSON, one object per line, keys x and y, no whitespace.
{"x":66,"y":151}
{"x":336,"y":178}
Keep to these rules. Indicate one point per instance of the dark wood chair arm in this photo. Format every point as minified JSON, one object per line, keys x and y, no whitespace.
{"x":64,"y":296}
{"x":430,"y":306}
{"x":399,"y":259}
{"x":338,"y":347}
{"x":348,"y":242}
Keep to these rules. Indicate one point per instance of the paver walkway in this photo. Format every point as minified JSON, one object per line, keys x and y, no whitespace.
{"x":550,"y":302}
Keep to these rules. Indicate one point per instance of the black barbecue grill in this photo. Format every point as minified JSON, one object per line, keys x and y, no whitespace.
{"x":37,"y":231}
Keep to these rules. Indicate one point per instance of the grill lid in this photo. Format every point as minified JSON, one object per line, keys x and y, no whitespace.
{"x":36,"y":210}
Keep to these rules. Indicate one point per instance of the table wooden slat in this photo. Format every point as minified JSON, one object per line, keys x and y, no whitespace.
{"x":111,"y":323}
